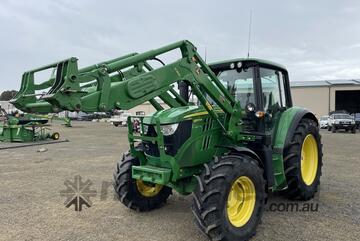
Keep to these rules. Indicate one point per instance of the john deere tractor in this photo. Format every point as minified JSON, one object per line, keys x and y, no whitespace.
{"x":239,"y":139}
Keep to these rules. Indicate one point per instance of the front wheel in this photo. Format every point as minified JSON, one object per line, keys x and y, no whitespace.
{"x":136,"y":194}
{"x":230,"y":198}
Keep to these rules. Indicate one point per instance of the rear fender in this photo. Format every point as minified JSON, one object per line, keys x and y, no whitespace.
{"x":295,"y":122}
{"x":282,"y":137}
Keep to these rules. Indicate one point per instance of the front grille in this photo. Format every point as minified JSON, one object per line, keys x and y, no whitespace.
{"x":150,"y":148}
{"x":172,"y":143}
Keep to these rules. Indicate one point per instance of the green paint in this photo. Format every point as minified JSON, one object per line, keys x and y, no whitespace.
{"x":282,"y":128}
{"x":22,"y":133}
{"x":128,"y":81}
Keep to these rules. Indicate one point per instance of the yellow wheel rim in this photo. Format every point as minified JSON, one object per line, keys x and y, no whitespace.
{"x":241,"y":201}
{"x":309,"y":159}
{"x":148,"y":190}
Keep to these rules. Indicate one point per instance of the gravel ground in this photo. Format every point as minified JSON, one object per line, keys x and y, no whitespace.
{"x":31,"y":207}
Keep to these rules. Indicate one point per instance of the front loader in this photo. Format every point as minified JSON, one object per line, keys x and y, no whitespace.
{"x":240,"y":140}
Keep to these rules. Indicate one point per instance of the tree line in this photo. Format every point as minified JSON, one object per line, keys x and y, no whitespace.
{"x":7,"y":95}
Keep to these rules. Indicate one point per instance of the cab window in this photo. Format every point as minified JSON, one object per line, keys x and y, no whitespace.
{"x":272,"y":82}
{"x":240,"y":84}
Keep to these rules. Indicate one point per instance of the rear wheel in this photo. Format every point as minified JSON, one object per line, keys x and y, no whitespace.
{"x":136,"y":194}
{"x":230,"y":198}
{"x":303,"y":161}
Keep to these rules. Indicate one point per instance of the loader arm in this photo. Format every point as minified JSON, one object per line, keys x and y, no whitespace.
{"x":129,"y":81}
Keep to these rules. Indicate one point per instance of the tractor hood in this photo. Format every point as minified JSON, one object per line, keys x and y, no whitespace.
{"x":175,"y":115}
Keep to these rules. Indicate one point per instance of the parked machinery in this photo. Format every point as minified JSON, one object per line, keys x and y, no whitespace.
{"x":19,"y":129}
{"x":243,"y":138}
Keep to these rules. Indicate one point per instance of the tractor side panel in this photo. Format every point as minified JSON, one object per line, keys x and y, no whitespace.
{"x":202,"y":145}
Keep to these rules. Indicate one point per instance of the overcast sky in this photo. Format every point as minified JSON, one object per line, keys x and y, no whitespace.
{"x":314,"y":39}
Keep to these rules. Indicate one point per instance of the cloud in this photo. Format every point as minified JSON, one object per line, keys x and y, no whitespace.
{"x":314,"y":42}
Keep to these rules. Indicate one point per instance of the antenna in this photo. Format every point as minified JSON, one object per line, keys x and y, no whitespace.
{"x":249,"y":37}
{"x":205,"y":53}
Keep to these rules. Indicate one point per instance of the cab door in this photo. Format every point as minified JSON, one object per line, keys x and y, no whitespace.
{"x":275,"y":95}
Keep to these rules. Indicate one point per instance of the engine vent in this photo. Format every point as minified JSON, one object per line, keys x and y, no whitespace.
{"x":206,"y":142}
{"x":208,"y":122}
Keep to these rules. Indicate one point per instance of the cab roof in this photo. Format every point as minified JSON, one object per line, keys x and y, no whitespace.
{"x":260,"y":61}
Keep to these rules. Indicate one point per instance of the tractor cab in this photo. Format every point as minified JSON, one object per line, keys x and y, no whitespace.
{"x":261,"y":87}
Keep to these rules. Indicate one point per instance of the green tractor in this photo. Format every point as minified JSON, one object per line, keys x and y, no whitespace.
{"x":239,"y":140}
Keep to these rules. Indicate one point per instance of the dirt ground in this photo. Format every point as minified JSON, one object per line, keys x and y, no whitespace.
{"x":31,"y":207}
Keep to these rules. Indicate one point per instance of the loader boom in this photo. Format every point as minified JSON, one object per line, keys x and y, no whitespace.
{"x":126,"y":82}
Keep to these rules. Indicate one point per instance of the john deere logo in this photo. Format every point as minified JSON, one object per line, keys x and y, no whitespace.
{"x":78,"y":193}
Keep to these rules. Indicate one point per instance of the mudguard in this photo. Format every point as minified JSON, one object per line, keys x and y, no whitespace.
{"x":295,"y":122}
{"x":288,"y":122}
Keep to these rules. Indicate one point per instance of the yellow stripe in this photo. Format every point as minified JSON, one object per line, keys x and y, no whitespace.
{"x":200,"y":114}
{"x":197,"y":114}
{"x":209,"y":106}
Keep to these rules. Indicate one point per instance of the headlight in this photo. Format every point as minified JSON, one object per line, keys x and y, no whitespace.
{"x":352,"y":122}
{"x":336,"y":122}
{"x":168,"y":130}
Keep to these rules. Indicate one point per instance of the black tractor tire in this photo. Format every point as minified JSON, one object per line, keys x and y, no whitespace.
{"x":297,"y":188}
{"x":210,"y":198}
{"x":127,"y":190}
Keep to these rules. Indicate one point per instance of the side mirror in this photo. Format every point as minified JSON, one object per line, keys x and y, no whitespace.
{"x":250,"y":108}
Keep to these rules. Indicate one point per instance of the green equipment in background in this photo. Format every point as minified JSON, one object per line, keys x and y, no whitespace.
{"x":51,"y":117}
{"x":240,"y":140}
{"x":16,"y":129}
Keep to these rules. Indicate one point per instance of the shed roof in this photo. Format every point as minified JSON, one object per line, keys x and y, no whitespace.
{"x":325,"y":83}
